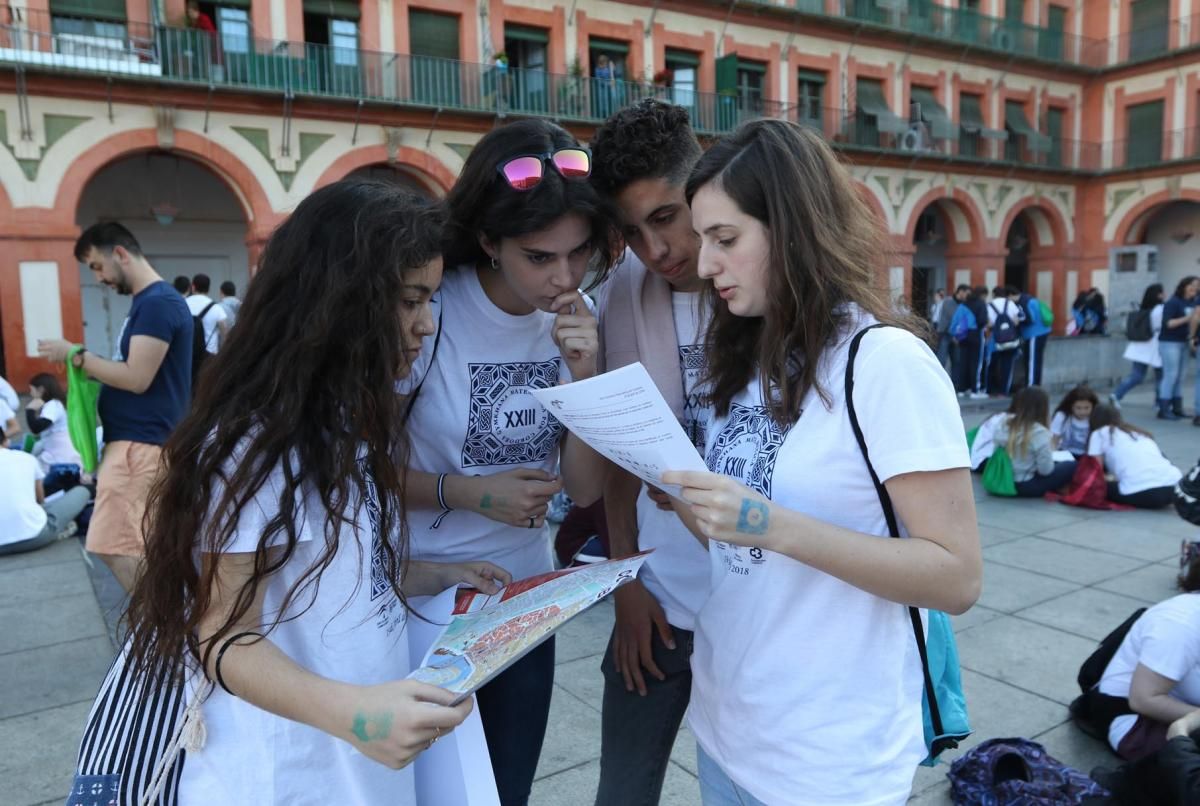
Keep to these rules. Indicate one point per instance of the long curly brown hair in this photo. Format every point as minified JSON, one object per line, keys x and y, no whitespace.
{"x":825,"y":253}
{"x":305,"y":384}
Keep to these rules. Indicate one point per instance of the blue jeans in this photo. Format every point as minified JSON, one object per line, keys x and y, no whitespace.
{"x":1174,"y":357}
{"x":637,"y":732}
{"x":1038,"y":486}
{"x":1136,"y":376}
{"x":514,"y":708}
{"x":717,"y":788}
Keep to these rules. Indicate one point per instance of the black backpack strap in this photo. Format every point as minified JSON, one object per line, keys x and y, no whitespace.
{"x":204,"y":312}
{"x":889,"y":514}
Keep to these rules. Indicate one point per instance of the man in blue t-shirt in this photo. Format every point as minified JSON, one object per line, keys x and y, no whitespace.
{"x":146,"y":388}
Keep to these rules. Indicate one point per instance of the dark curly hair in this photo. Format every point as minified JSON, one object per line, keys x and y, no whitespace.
{"x":308,"y":377}
{"x":649,"y":140}
{"x":482,"y":203}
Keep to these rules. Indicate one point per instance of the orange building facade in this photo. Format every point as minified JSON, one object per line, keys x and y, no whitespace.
{"x":1053,"y":145}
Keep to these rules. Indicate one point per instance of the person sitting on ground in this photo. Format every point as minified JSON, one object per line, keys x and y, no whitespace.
{"x":27,"y":521}
{"x":984,"y":444}
{"x":1141,"y":476}
{"x":1027,"y":439}
{"x":12,"y":428}
{"x":9,"y":395}
{"x":1157,"y":668}
{"x":46,"y":416}
{"x":1072,"y":424}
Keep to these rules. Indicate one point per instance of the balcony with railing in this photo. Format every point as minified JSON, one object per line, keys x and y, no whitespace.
{"x":244,"y":63}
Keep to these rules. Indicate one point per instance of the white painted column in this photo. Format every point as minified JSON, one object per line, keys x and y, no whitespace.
{"x":991,"y":278}
{"x":896,"y":281}
{"x":40,"y":302}
{"x":387,"y":26}
{"x":961,"y":277}
{"x":1180,"y":115}
{"x":279,"y":19}
{"x":1072,"y":292}
{"x":1045,"y":286}
{"x":1114,"y":32}
{"x":1100,"y":281}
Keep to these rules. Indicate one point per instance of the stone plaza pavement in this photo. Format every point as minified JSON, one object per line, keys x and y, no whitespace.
{"x":1056,"y":580}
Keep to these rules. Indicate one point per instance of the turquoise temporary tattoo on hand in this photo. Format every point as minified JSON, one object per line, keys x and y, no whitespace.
{"x":372,"y":727}
{"x":488,"y":502}
{"x":754,"y":517}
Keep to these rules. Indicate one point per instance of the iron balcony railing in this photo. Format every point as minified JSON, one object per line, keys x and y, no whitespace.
{"x":226,"y":61}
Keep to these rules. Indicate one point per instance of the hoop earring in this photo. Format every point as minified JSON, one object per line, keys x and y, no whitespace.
{"x":495,"y":264}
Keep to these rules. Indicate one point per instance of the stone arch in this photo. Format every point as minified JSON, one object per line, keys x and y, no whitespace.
{"x":1131,"y":227}
{"x":425,"y":168}
{"x":240,"y":180}
{"x":1050,"y":228}
{"x":958,"y":209}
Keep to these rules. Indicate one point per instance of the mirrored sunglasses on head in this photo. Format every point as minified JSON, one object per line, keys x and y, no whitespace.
{"x":525,"y":172}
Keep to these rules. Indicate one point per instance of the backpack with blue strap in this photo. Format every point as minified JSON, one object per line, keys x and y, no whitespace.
{"x":944,"y":706}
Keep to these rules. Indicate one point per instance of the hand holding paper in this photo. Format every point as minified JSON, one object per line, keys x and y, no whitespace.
{"x":622,"y":415}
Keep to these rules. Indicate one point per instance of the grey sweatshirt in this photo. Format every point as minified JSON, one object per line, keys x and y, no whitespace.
{"x":1038,"y":460}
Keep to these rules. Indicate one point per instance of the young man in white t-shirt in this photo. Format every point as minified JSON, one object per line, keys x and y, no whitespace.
{"x":655,"y":315}
{"x":27,"y":522}
{"x":1004,"y":354}
{"x":212,"y":314}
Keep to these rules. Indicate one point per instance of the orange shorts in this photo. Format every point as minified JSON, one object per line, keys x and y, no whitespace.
{"x":127,"y":471}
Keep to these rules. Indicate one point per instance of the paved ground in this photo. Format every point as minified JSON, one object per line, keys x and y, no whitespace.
{"x":1056,"y":580}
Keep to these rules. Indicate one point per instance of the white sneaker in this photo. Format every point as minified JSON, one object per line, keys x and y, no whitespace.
{"x":979,"y":396}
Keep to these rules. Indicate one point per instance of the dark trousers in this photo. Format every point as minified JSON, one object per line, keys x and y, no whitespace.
{"x":971,"y":350}
{"x":637,"y":732}
{"x":1001,"y":371}
{"x":1038,"y":486}
{"x":1154,"y":498}
{"x":1035,"y":354}
{"x":514,"y":709}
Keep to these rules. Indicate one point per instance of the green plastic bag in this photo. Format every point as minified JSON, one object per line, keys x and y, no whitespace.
{"x":82,"y":394}
{"x":998,"y":474}
{"x":974,"y":432}
{"x":1047,"y":313}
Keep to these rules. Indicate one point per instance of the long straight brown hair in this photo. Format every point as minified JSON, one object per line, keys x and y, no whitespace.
{"x":826,"y":249}
{"x":1030,"y":407}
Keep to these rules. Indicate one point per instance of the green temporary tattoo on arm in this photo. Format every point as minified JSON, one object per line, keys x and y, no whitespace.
{"x":488,"y":502}
{"x":372,"y":727}
{"x":754,"y":517}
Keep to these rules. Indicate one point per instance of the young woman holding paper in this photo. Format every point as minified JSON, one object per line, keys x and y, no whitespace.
{"x":807,"y":683}
{"x":277,"y":540}
{"x":525,"y":225}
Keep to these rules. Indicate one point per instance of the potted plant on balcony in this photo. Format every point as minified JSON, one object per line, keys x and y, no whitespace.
{"x":571,"y":101}
{"x":662,"y":83}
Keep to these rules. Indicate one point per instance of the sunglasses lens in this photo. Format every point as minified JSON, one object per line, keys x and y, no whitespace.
{"x":573,"y":163}
{"x":523,"y":173}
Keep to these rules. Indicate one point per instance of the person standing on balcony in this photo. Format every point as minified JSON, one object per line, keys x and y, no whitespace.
{"x":655,"y":314}
{"x":605,"y":79}
{"x":198,"y":19}
{"x":145,"y":393}
{"x":525,"y":226}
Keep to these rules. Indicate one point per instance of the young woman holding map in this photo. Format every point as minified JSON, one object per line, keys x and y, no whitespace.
{"x":276,"y":540}
{"x":807,"y":684}
{"x":525,"y":226}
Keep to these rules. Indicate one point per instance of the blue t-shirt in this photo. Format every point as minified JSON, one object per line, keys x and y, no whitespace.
{"x":158,"y":311}
{"x":1174,"y":309}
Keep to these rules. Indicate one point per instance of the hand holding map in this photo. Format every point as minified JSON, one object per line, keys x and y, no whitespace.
{"x":622,"y":416}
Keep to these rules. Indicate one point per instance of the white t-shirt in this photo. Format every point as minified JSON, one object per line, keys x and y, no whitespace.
{"x":1072,"y":433}
{"x":9,"y":395}
{"x":474,"y":415}
{"x":1006,"y":306}
{"x":353,"y":632}
{"x":21,"y":516}
{"x":985,"y":440}
{"x":1135,"y":460}
{"x":806,"y":689}
{"x":56,"y":447}
{"x":216,"y":314}
{"x":1166,"y":640}
{"x":677,"y":573}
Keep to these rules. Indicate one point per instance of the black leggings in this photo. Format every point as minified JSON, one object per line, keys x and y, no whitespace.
{"x":1154,"y":498}
{"x":1038,"y":486}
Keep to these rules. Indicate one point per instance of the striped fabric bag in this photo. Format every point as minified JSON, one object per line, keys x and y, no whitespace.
{"x":136,"y":740}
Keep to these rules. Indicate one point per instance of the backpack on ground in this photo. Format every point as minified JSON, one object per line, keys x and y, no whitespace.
{"x":1005,"y":332}
{"x":199,"y":342}
{"x":998,"y":474}
{"x":962,"y":323}
{"x":1137,"y":326}
{"x":1018,"y":772}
